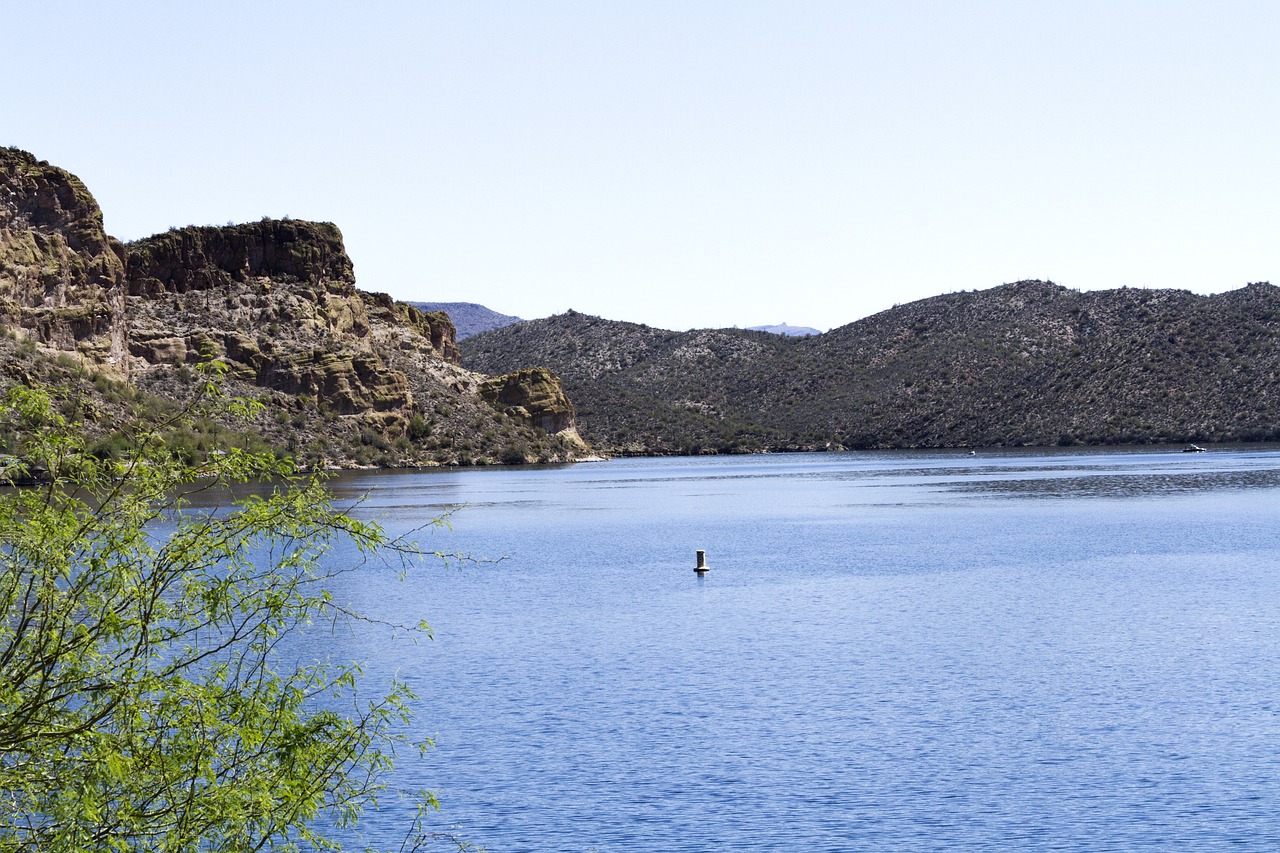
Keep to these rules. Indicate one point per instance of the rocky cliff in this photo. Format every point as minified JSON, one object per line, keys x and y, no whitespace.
{"x":1027,"y":363}
{"x":346,"y":376}
{"x":277,"y":301}
{"x":534,"y":395}
{"x":62,"y":279}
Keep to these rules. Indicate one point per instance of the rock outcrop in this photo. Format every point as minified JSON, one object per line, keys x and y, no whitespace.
{"x":534,"y":395}
{"x":62,"y":279}
{"x":213,"y":258}
{"x":277,"y":301}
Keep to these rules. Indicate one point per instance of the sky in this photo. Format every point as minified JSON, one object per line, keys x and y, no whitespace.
{"x":680,"y":164}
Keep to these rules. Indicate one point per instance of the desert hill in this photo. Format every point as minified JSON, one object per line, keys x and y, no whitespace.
{"x":1023,"y":364}
{"x":469,"y":318}
{"x":789,"y":330}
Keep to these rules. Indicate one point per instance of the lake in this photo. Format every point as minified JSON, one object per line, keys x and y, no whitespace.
{"x":892,"y":651}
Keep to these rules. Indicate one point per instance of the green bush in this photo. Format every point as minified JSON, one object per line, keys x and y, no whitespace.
{"x":142,"y":703}
{"x":419,"y":427}
{"x":516,"y":453}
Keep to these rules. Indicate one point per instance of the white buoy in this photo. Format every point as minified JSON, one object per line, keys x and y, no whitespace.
{"x":702,"y":567}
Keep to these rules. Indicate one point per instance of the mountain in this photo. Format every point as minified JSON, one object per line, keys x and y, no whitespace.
{"x":784,"y":329}
{"x":468,"y":317}
{"x":346,"y":377}
{"x":1023,"y":364}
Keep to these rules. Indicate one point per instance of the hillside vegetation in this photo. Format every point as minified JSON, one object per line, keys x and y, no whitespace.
{"x":1024,"y":364}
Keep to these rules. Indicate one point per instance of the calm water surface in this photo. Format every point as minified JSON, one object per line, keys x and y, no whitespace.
{"x":892,"y":651}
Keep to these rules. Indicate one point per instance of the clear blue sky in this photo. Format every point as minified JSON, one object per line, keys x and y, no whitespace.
{"x":681,"y":164}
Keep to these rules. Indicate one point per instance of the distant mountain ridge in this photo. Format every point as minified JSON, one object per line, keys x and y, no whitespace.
{"x":784,"y":329}
{"x":1023,"y":364}
{"x":469,"y":318}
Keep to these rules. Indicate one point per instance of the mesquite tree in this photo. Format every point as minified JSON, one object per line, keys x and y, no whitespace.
{"x":144,"y":704}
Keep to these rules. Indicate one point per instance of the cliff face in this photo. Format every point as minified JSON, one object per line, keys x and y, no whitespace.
{"x":210,"y":258}
{"x":346,"y":376}
{"x":534,"y":395}
{"x":62,"y":279}
{"x":277,"y":301}
{"x":1027,"y":363}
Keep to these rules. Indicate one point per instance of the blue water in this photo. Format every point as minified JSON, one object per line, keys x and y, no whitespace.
{"x":892,"y":651}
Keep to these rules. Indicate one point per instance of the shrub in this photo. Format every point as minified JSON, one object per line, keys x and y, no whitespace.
{"x":419,"y":427}
{"x":142,"y":703}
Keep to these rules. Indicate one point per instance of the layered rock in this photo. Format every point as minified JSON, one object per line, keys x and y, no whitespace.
{"x":347,"y":375}
{"x":207,"y":258}
{"x":277,"y":301}
{"x":62,"y":279}
{"x":534,"y":395}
